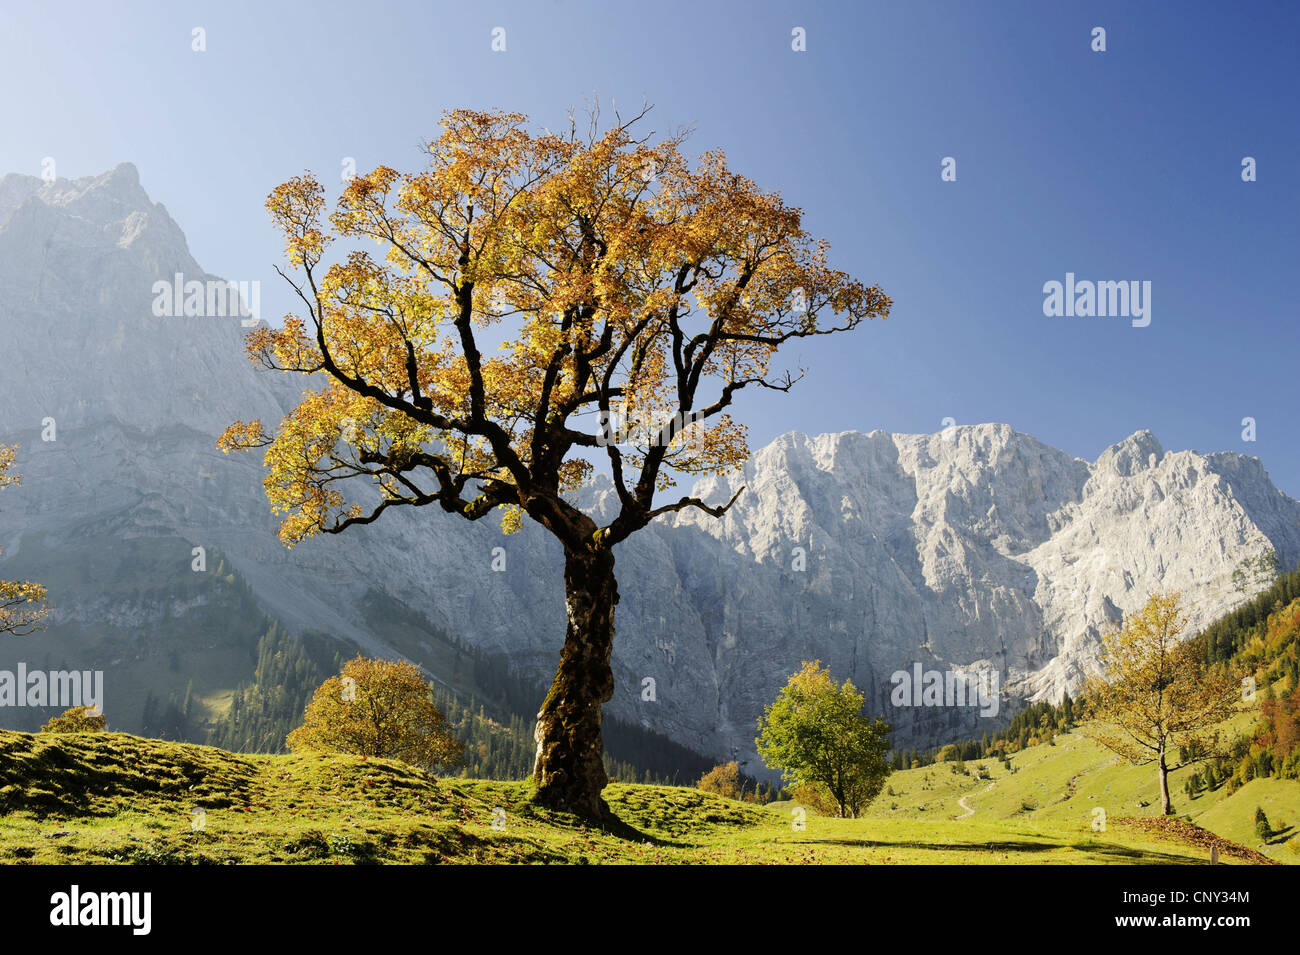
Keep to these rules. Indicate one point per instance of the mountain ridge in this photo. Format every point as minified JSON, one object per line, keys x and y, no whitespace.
{"x":978,"y":546}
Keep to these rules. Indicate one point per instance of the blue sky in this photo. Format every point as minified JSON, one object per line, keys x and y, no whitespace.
{"x":1122,"y":165}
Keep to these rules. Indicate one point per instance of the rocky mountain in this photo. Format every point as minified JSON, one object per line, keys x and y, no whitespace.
{"x":979,"y":548}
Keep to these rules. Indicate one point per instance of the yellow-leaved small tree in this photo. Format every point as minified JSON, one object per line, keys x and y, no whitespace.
{"x":1155,"y":697}
{"x":723,"y":780}
{"x":378,"y":708}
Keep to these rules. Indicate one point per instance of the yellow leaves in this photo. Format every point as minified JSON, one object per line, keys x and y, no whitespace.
{"x":22,"y":607}
{"x":512,"y":518}
{"x":366,"y":191}
{"x":1155,"y":693}
{"x":574,"y":473}
{"x":295,"y":207}
{"x":625,"y":275}
{"x":8,"y":453}
{"x":242,"y":436}
{"x":377,"y":708}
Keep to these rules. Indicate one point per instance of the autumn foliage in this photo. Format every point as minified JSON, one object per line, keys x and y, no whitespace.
{"x":22,"y":607}
{"x":623,"y":280}
{"x":722,"y":780}
{"x":478,"y":331}
{"x":78,"y":719}
{"x":378,"y":708}
{"x":1155,"y":699}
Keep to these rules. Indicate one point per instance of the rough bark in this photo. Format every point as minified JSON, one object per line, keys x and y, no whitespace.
{"x":570,"y":766}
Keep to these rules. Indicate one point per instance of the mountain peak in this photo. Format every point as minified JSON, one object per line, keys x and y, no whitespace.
{"x":1139,"y":451}
{"x":109,"y":196}
{"x":102,"y":199}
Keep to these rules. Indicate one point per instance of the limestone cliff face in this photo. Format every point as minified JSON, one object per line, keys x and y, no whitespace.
{"x":976,"y":547}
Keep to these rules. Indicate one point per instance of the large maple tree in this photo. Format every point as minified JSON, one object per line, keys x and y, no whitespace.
{"x":640,"y":293}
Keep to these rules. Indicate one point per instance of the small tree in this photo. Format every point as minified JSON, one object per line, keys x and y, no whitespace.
{"x":723,"y":780}
{"x":22,"y":604}
{"x":816,"y":735}
{"x":378,"y":708}
{"x":79,"y":719}
{"x":1155,"y":699}
{"x":1262,"y":827}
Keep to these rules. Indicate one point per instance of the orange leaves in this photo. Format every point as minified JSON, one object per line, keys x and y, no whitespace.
{"x":287,"y":348}
{"x":626,"y":276}
{"x":377,"y":708}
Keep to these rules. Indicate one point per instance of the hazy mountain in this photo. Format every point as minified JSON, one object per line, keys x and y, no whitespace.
{"x":976,"y":547}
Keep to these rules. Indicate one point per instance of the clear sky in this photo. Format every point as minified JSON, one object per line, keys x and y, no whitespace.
{"x":1116,"y":165}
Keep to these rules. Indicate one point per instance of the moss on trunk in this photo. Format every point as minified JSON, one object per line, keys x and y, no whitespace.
{"x":570,"y":767}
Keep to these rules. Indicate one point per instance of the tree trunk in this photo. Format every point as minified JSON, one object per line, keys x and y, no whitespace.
{"x":570,"y":767}
{"x":1165,"y":806}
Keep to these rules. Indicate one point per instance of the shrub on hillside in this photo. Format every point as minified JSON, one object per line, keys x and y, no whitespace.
{"x":378,"y":708}
{"x":79,"y":719}
{"x":723,"y":780}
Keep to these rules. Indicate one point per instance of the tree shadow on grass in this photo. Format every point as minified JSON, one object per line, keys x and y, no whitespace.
{"x":614,"y":826}
{"x":610,"y":825}
{"x":1004,"y":846}
{"x":1105,"y":849}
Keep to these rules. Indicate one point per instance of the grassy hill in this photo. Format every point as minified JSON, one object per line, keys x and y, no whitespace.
{"x":116,"y":798}
{"x":1060,"y":785}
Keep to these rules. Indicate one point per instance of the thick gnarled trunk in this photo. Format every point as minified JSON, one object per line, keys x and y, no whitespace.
{"x":570,"y":767}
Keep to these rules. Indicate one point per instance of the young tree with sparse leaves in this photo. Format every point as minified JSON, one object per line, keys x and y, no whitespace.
{"x":638,"y":294}
{"x":378,"y":708}
{"x":22,"y":604}
{"x":1155,"y":698}
{"x":816,"y":735}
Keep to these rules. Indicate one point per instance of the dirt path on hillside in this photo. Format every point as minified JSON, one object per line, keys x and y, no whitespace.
{"x":970,"y":811}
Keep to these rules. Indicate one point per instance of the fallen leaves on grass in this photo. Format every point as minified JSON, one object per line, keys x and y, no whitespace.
{"x":1183,"y":831}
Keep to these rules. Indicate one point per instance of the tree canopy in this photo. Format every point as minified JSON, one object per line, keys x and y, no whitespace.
{"x":816,"y":734}
{"x":638,"y":293}
{"x":1155,"y":697}
{"x":378,"y":708}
